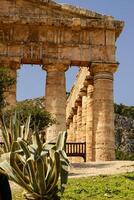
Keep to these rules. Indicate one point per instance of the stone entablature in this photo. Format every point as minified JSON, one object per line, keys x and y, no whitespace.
{"x":43,"y":32}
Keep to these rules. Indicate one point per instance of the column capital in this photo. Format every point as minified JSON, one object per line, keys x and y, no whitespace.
{"x":101,"y":67}
{"x":55,"y":67}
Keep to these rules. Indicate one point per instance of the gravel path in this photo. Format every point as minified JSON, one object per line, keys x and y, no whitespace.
{"x":101,"y":168}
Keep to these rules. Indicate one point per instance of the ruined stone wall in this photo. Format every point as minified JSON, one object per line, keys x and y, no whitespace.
{"x":91,"y":103}
{"x":75,"y":91}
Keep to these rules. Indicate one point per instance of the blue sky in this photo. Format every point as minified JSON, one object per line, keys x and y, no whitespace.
{"x":31,"y":80}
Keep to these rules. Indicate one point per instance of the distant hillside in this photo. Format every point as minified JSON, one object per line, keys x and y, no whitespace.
{"x":36,"y":101}
{"x":126,"y":111}
{"x":124,"y":131}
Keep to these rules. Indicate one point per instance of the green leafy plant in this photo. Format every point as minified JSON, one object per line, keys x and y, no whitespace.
{"x":23,"y":118}
{"x":40,"y":118}
{"x":6,"y":81}
{"x":124,"y":110}
{"x":13,"y":131}
{"x":37,"y":166}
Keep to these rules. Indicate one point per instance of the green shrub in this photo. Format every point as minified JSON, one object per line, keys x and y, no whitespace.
{"x":40,"y":118}
{"x":124,"y":110}
{"x":6,"y":81}
{"x":120,"y":155}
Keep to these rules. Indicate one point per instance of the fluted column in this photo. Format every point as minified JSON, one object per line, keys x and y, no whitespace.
{"x":74,"y":127}
{"x":70,"y":133}
{"x":74,"y":159}
{"x":84,"y":114}
{"x":103,"y":111}
{"x":89,"y":123}
{"x":79,"y":122}
{"x":55,"y":98}
{"x":79,"y":128}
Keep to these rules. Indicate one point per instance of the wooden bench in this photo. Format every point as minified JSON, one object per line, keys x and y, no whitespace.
{"x":76,"y":149}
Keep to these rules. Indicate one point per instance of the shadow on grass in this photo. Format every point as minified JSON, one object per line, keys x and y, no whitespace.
{"x":90,"y":165}
{"x":131,"y":178}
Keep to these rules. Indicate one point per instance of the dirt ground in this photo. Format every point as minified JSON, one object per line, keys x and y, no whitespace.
{"x":100,"y":168}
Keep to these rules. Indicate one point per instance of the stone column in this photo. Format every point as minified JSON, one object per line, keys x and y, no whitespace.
{"x":79,"y":122}
{"x":74,"y":127}
{"x":55,"y":98}
{"x":10,"y":94}
{"x":70,"y":136}
{"x":103,"y":111}
{"x":70,"y":132}
{"x":89,"y":123}
{"x":84,"y":114}
{"x":74,"y":159}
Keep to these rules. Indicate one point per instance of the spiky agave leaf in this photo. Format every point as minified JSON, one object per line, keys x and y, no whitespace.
{"x":37,"y":144}
{"x":5,"y":156}
{"x":47,"y":146}
{"x":30,"y":163}
{"x":41,"y":166}
{"x":5,"y":134}
{"x":6,"y":168}
{"x":22,"y":131}
{"x":64,"y":170}
{"x":64,"y":162}
{"x":61,"y":140}
{"x":41,"y":175}
{"x":16,"y":132}
{"x":15,"y":160}
{"x":13,"y":176}
{"x":27,"y":128}
{"x":53,"y":178}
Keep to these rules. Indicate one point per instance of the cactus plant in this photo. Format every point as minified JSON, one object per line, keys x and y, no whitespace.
{"x":37,"y":167}
{"x":14,"y":130}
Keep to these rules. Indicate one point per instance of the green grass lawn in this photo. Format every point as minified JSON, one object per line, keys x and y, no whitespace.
{"x":97,"y":188}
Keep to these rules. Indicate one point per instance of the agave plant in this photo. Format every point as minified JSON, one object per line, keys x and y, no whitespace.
{"x":37,"y":167}
{"x":14,"y":130}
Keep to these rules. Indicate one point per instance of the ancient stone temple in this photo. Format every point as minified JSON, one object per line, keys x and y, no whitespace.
{"x":57,"y":37}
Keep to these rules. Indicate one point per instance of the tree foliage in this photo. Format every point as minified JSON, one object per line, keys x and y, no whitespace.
{"x":127,"y":111}
{"x":40,"y":118}
{"x":6,"y":80}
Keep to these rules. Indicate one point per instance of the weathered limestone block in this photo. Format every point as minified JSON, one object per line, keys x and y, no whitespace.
{"x":79,"y":123}
{"x":70,"y":132}
{"x":56,"y":99}
{"x":74,"y":159}
{"x":78,"y":85}
{"x":89,"y":124}
{"x":10,"y":94}
{"x":84,"y":115}
{"x":74,"y":127}
{"x":103,"y":113}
